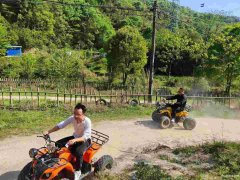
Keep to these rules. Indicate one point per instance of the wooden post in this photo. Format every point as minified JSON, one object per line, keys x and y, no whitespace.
{"x":126,"y":99}
{"x":38,"y":98}
{"x":86,"y":96}
{"x":25,"y":92}
{"x":111,"y":96}
{"x":2,"y":97}
{"x":19,"y":99}
{"x":31,"y":95}
{"x":138,"y":97}
{"x":57,"y":97}
{"x":45,"y":95}
{"x":95,"y":97}
{"x":156,"y":97}
{"x":64,"y":96}
{"x":70,"y":96}
{"x":90,"y":95}
{"x":81,"y":95}
{"x":75,"y":96}
{"x":10,"y":94}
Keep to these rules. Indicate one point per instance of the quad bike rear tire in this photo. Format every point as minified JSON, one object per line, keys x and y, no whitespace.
{"x":156,"y":116}
{"x":25,"y":172}
{"x":104,"y":162}
{"x":189,"y":123}
{"x":164,"y":122}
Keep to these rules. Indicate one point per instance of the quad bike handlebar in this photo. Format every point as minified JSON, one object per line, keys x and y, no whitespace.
{"x":50,"y":144}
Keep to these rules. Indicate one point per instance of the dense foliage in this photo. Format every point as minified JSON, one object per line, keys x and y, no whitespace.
{"x":120,"y":39}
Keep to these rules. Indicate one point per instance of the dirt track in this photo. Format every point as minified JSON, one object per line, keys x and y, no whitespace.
{"x":127,"y":139}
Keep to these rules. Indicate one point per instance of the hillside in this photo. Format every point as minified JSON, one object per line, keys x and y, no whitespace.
{"x":107,"y":29}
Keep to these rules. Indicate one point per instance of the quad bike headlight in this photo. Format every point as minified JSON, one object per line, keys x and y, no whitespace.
{"x":46,"y":176}
{"x":33,"y":152}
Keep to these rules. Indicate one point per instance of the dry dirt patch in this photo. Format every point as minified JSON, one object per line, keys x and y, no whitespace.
{"x":127,"y":141}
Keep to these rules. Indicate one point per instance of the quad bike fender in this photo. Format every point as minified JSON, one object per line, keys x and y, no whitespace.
{"x":166,"y":111}
{"x":182,"y":114}
{"x":53,"y":172}
{"x":88,"y":155}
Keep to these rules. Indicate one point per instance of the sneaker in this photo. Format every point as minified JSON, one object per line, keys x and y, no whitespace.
{"x":77,"y":175}
{"x":173,"y":120}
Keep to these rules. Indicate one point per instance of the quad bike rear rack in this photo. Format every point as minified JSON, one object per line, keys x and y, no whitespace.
{"x":98,"y":138}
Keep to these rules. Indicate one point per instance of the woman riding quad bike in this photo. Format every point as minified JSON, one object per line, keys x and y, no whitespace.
{"x":163,"y":115}
{"x":54,"y":163}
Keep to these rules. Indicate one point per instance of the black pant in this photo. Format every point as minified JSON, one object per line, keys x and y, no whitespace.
{"x":76,"y":149}
{"x":175,"y":108}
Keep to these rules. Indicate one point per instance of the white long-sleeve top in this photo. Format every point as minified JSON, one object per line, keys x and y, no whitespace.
{"x":81,"y":129}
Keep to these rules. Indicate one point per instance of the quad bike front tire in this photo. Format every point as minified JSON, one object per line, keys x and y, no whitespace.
{"x":164,"y":122}
{"x":25,"y":172}
{"x":189,"y":123}
{"x":156,"y":116}
{"x":104,"y":162}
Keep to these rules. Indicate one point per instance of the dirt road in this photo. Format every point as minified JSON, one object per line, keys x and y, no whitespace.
{"x":127,"y":139}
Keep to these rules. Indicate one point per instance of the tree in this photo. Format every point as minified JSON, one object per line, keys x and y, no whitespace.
{"x":224,"y":56}
{"x":36,"y":25}
{"x":127,"y":53}
{"x":3,"y":37}
{"x":179,"y":53}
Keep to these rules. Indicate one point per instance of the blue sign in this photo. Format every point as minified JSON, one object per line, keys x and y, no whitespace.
{"x":14,"y":51}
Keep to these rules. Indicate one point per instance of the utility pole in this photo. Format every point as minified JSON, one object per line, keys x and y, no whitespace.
{"x":151,"y":74}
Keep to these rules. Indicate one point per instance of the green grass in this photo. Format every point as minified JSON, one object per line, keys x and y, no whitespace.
{"x":146,"y":172}
{"x":14,"y":122}
{"x":225,"y":156}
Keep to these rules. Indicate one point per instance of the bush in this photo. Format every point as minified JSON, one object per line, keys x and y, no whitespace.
{"x":146,"y":172}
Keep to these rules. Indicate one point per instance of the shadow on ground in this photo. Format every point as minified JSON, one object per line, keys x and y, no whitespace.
{"x":148,"y":123}
{"x":11,"y":175}
{"x":154,"y":125}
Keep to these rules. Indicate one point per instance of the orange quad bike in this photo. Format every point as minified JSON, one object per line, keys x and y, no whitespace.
{"x":54,"y":163}
{"x":163,"y":116}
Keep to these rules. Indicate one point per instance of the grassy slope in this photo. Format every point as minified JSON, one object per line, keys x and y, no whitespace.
{"x":222,"y":160}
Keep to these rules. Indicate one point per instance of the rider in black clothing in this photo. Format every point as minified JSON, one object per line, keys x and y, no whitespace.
{"x":181,"y":102}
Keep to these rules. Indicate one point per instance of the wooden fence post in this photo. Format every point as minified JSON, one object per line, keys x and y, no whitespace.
{"x":38,"y":98}
{"x":156,"y":100}
{"x":64,"y":96}
{"x":75,"y":96}
{"x":19,"y":96}
{"x":2,"y":97}
{"x":25,"y":93}
{"x":81,"y":95}
{"x":86,"y":96}
{"x":70,"y":96}
{"x":57,"y":97}
{"x":10,"y":94}
{"x":32,"y":96}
